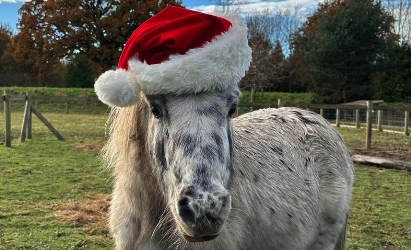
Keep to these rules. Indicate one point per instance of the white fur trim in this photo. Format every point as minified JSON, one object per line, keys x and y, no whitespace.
{"x":216,"y":65}
{"x":117,"y":88}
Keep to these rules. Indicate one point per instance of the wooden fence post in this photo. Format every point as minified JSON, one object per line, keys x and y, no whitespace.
{"x":7,"y":118}
{"x":280,"y":103}
{"x":369,"y":125}
{"x":337,"y":118}
{"x":379,"y":116}
{"x":25,"y":120}
{"x":66,"y":107}
{"x":406,"y":122}
{"x":252,"y":96}
{"x":30,"y":121}
{"x":322,"y":112}
{"x":357,"y":118}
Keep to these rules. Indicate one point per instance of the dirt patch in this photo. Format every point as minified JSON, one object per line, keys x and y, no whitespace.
{"x":400,"y":154}
{"x":89,"y":146}
{"x":91,"y":213}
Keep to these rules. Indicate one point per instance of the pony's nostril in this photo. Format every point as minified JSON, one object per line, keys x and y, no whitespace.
{"x":190,"y":192}
{"x":183,"y":202}
{"x":224,"y":200}
{"x":209,"y":216}
{"x":185,"y":212}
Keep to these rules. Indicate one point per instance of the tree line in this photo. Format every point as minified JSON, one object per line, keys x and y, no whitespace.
{"x":344,"y":51}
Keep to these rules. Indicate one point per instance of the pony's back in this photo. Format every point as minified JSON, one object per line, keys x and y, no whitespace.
{"x":293,"y":181}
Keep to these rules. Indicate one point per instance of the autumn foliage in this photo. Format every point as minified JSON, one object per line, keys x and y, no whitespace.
{"x":345,"y":50}
{"x":55,"y":30}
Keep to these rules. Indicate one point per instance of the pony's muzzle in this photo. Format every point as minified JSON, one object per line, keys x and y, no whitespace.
{"x":203,"y":214}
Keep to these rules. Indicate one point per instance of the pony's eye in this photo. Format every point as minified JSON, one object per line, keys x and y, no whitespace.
{"x":156,"y":112}
{"x":232,"y":110}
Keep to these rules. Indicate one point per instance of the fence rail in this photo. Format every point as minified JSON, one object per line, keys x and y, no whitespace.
{"x":56,"y":98}
{"x":241,"y":104}
{"x":396,"y":118}
{"x":320,"y":106}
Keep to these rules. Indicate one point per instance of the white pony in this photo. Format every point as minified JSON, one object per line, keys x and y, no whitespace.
{"x":187,"y":176}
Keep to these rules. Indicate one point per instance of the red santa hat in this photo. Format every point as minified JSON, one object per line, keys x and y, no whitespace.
{"x":178,"y":51}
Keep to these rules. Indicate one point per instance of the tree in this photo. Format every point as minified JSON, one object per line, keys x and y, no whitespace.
{"x":394,"y":83}
{"x":57,"y":29}
{"x":261,"y":68}
{"x":401,"y":11}
{"x":79,"y":73}
{"x":5,"y":37}
{"x":225,"y":6}
{"x":297,"y":69}
{"x":269,"y":38}
{"x":277,"y":54}
{"x":279,"y":74}
{"x":10,"y":71}
{"x":342,"y":45}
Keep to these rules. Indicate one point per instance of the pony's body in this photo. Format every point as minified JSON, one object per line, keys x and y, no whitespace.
{"x":290,"y":188}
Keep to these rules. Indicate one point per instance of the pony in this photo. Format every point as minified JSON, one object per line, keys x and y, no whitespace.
{"x":189,"y":176}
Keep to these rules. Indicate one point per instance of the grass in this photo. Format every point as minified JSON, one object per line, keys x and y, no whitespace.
{"x":272,"y":97}
{"x":380,"y":215}
{"x":43,"y":173}
{"x":395,"y":104}
{"x":46,"y":91}
{"x":34,"y":177}
{"x":384,"y":144}
{"x":291,"y":98}
{"x":72,"y":126}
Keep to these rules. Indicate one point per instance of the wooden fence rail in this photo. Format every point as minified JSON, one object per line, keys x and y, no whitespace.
{"x":369,"y":108}
{"x":31,"y":107}
{"x":241,"y":104}
{"x":56,"y":98}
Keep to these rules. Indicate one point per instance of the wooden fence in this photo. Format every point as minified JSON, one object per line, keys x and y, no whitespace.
{"x":370,"y":109}
{"x":337,"y":108}
{"x":26,"y":128}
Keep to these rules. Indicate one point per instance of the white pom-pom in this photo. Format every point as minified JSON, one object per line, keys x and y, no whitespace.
{"x":117,"y":88}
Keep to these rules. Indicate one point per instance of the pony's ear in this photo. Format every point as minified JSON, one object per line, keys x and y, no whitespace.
{"x":117,"y":88}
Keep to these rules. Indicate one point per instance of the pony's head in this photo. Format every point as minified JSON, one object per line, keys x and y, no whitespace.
{"x":189,"y":140}
{"x":182,"y":69}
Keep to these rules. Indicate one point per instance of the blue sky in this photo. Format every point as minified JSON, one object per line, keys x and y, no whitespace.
{"x":8,"y":13}
{"x":9,"y":8}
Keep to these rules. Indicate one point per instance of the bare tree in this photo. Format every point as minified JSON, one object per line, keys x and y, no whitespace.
{"x":401,"y":11}
{"x":289,"y":20}
{"x":229,"y":5}
{"x":270,"y":36}
{"x":267,"y":66}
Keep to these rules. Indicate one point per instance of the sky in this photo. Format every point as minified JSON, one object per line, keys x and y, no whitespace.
{"x":9,"y":8}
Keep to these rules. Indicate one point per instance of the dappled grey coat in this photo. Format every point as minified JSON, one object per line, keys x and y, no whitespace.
{"x":290,"y":189}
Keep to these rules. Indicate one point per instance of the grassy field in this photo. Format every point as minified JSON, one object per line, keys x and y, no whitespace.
{"x":384,"y":144}
{"x":46,"y":91}
{"x":43,"y":174}
{"x":270,"y":97}
{"x":37,"y":176}
{"x":42,"y":177}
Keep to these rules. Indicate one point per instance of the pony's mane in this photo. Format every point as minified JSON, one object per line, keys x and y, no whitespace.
{"x":126,"y":135}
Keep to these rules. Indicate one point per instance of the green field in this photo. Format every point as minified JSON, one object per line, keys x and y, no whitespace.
{"x":48,"y":91}
{"x":35,"y":177}
{"x":270,"y":97}
{"x":43,"y":174}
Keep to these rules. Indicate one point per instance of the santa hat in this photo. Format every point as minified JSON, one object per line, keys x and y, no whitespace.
{"x":178,"y":51}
